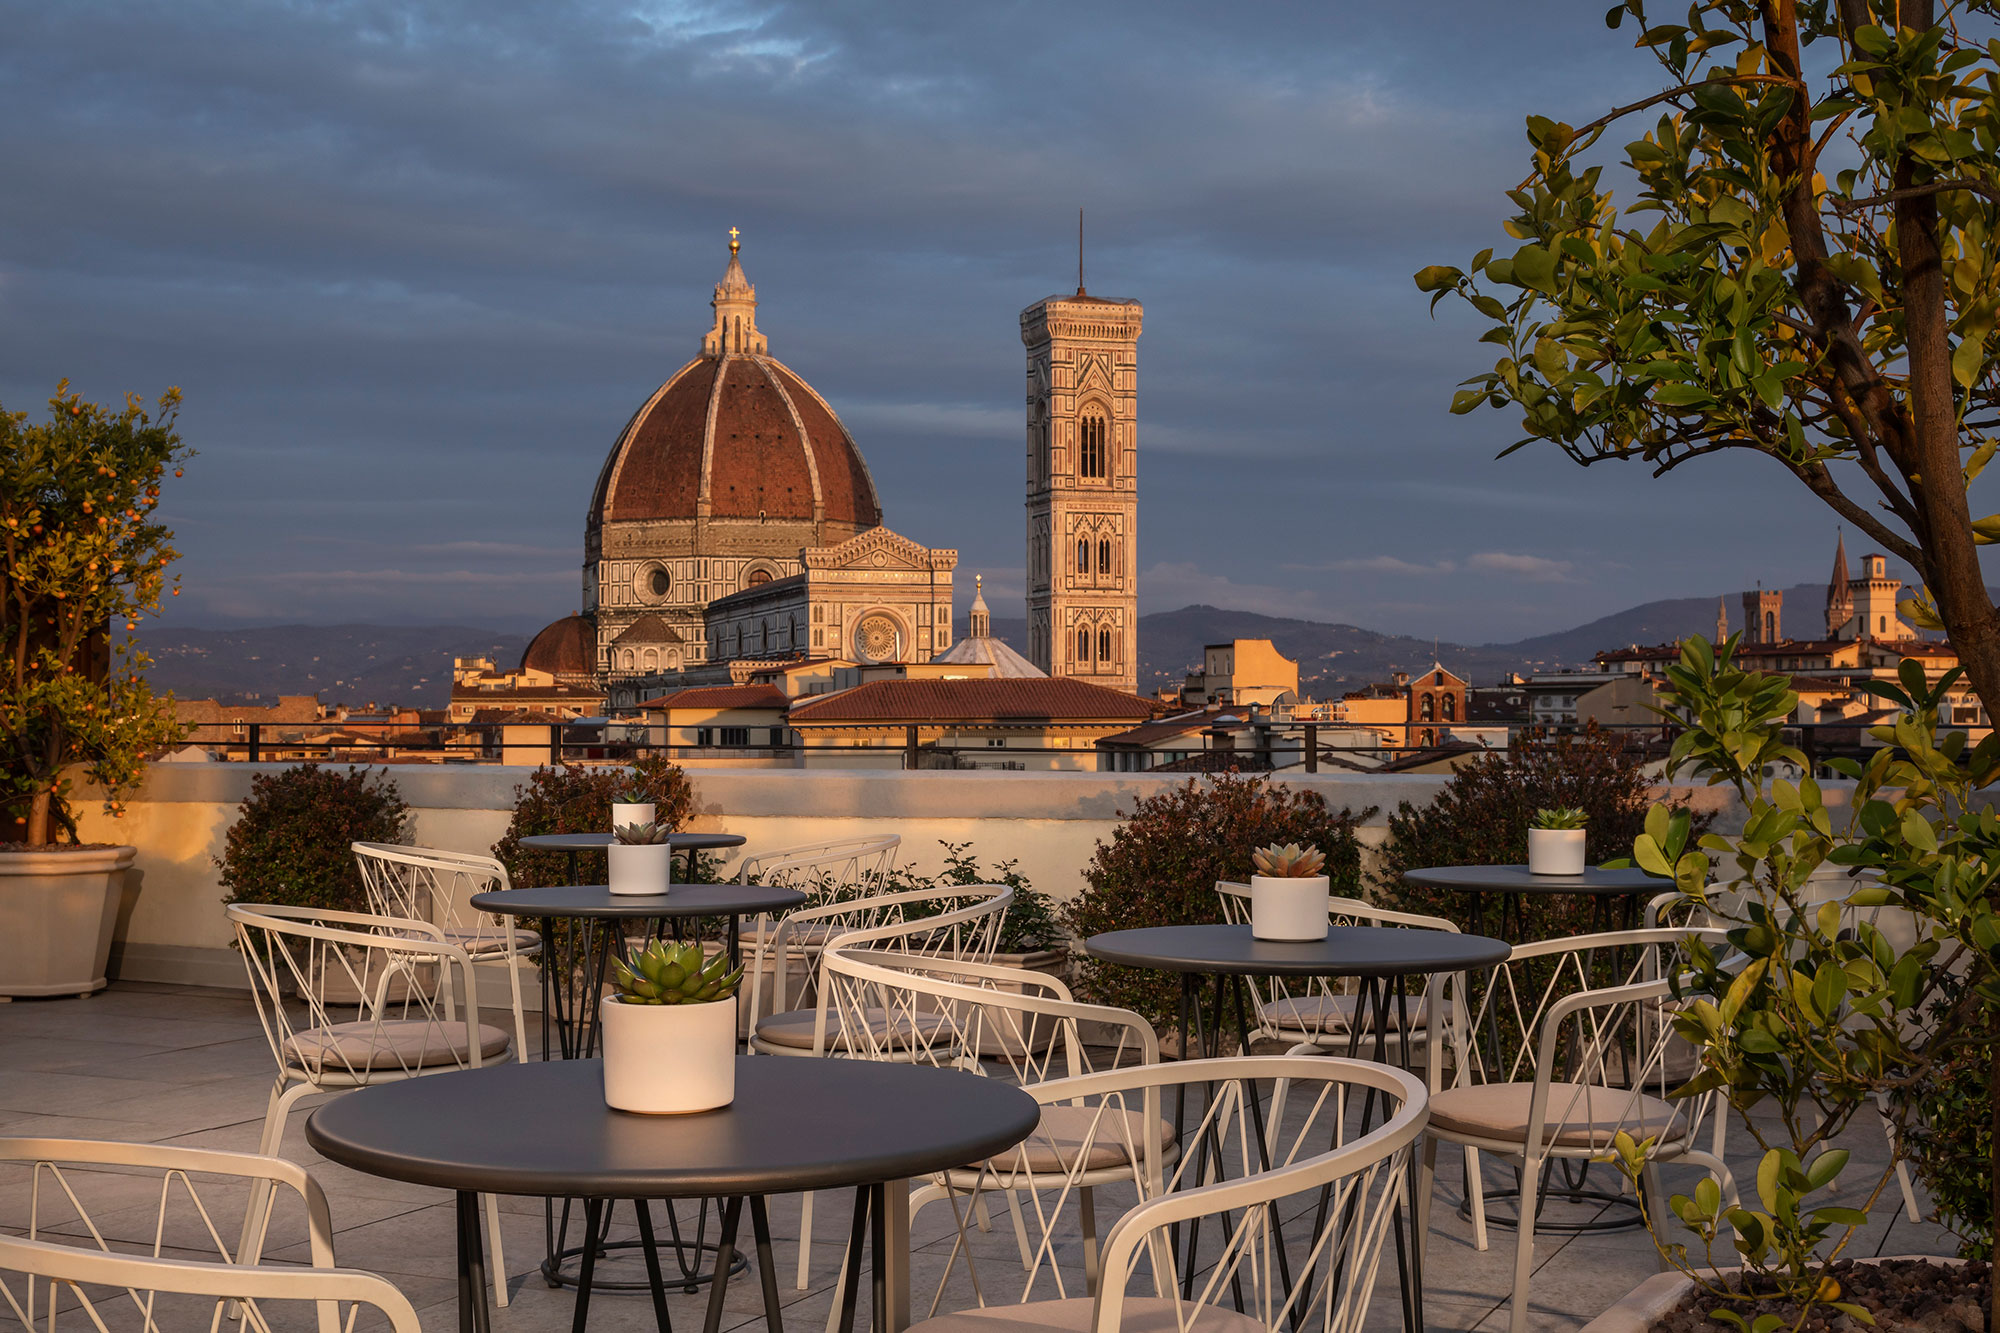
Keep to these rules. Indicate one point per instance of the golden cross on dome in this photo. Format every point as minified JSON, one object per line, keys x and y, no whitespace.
{"x":734,"y":244}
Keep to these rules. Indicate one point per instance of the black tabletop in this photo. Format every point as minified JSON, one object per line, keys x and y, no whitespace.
{"x":1516,"y":879}
{"x":597,"y":900}
{"x":1347,"y":951}
{"x":597,"y":842}
{"x":543,"y":1128}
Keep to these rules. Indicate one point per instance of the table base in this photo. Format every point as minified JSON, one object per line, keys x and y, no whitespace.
{"x":1629,"y":1218}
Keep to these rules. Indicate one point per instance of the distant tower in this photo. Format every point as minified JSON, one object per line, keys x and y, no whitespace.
{"x":1083,"y":487}
{"x":1839,"y":594}
{"x":979,"y":621}
{"x":1721,"y":619}
{"x":1874,"y":600}
{"x":1763,"y":613}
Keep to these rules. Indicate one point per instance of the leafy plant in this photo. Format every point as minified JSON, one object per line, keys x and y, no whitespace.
{"x":1290,"y":861}
{"x":641,"y":835}
{"x":289,"y":844}
{"x":80,"y":557}
{"x":1161,"y":866}
{"x":1808,"y":271}
{"x":1811,"y":1012}
{"x":1561,"y":817}
{"x":1031,"y":924}
{"x":664,"y":972}
{"x":577,"y":799}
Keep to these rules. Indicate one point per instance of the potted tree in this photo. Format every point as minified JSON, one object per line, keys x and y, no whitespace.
{"x":669,"y":1029}
{"x":80,"y":560}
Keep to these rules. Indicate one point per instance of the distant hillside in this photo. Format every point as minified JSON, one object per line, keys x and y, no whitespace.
{"x":1668,"y":622}
{"x":352,"y":664}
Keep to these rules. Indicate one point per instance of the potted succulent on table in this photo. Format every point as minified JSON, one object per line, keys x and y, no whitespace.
{"x":641,"y":860}
{"x":669,"y":1030}
{"x":631,"y":805}
{"x":1288,"y":893}
{"x":1555,"y":842}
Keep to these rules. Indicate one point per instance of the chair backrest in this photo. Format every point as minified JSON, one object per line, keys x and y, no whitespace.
{"x":1593,"y":1013}
{"x":78,"y":1190}
{"x":955,"y":1013}
{"x":414,"y":1003}
{"x":1340,"y":911}
{"x":424,"y":883}
{"x":826,"y":871}
{"x":1280,"y":1128}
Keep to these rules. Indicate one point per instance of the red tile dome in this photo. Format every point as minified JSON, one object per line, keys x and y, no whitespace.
{"x":566,"y":649}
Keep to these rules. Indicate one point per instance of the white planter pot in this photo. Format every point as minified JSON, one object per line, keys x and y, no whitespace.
{"x":1288,"y":908}
{"x":640,"y":869}
{"x":630,"y":812}
{"x":1656,"y":1297}
{"x":668,"y":1059}
{"x":57,"y":913}
{"x":1555,"y":851}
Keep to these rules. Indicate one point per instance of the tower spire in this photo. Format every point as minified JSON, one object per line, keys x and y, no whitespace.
{"x":1839,"y":594}
{"x":735,"y":306}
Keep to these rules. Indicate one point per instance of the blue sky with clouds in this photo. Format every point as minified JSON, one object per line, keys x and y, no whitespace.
{"x":414,"y":266}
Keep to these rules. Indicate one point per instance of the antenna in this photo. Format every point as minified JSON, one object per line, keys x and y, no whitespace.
{"x":1079,"y":252}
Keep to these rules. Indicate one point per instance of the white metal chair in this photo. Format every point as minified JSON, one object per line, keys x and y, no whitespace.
{"x":826,"y":872}
{"x":91,"y":1249}
{"x":1578,"y":1043}
{"x":1283,"y":1128}
{"x":416,"y":1008}
{"x":1005,"y":1022}
{"x":431,"y":884}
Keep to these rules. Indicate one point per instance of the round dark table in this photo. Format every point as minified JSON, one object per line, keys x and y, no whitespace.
{"x":687,"y":843}
{"x":543,"y":1128}
{"x":1382,"y":958}
{"x":572,"y":979}
{"x":1607,"y":889}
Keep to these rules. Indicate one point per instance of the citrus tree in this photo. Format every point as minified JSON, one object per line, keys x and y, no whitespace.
{"x":81,"y":558}
{"x":1807,"y":271}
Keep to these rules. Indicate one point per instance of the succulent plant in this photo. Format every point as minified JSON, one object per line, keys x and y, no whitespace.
{"x":1563,"y":816}
{"x":1290,"y":861}
{"x":633,"y":792}
{"x":641,"y":835}
{"x":667,"y":973}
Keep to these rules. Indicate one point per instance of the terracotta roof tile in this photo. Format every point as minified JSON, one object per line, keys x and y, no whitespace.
{"x":1015,"y":701}
{"x":721,"y":696}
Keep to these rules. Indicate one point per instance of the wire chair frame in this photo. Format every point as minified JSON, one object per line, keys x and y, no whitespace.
{"x":413,"y":994}
{"x":842,"y":867}
{"x":1306,"y":1141}
{"x":1586,"y":1024}
{"x":68,"y":1252}
{"x":430,"y":884}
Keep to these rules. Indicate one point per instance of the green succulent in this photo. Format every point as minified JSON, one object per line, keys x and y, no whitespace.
{"x":667,"y":973}
{"x":1564,"y":817}
{"x":644,"y":835}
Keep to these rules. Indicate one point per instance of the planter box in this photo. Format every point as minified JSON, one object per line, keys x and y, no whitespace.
{"x":57,"y":913}
{"x":1652,"y":1299}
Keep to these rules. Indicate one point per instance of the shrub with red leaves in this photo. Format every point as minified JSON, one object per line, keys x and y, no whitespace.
{"x":289,"y":844}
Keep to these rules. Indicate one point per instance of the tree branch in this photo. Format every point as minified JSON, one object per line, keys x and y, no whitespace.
{"x":1924,"y":191}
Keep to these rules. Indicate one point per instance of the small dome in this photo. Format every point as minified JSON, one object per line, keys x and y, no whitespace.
{"x":566,"y":649}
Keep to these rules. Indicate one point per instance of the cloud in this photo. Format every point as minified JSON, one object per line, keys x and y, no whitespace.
{"x":1530,"y":568}
{"x":1381,"y":564}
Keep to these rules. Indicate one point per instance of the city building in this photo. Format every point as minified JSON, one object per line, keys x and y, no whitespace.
{"x":1242,"y":672}
{"x":1410,"y":710}
{"x":923,"y":721}
{"x":980,"y":649}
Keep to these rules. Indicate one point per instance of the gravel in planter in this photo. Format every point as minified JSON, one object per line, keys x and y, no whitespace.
{"x":1904,"y":1295}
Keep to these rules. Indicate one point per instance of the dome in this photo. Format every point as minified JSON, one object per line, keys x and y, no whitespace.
{"x":565,"y":649}
{"x":735,"y":434}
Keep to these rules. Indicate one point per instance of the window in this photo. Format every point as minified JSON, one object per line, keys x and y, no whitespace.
{"x":1438,"y":679}
{"x":1426,"y":709}
{"x":704,"y":735}
{"x":1090,"y":447}
{"x":1770,"y":627}
{"x":659,"y":581}
{"x":735,"y":737}
{"x":995,"y":742}
{"x":1083,"y":645}
{"x":1104,"y":557}
{"x":1881,"y":624}
{"x":757,"y":576}
{"x":1104,"y":645}
{"x":1451,"y":708}
{"x":1083,"y":557}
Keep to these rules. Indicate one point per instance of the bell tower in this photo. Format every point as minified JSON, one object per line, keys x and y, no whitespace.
{"x":1083,"y":487}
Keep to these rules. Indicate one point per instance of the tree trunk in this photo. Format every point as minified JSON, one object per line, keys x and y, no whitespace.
{"x":38,"y":818}
{"x":1993,"y":1184}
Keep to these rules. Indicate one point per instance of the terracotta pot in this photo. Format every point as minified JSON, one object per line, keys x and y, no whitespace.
{"x":1555,"y":851}
{"x":57,"y":912}
{"x":1284,"y":907}
{"x":668,"y":1059}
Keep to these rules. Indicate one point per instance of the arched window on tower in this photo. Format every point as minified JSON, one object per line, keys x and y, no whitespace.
{"x":1451,"y":708}
{"x":1083,"y":556}
{"x":1082,"y":646}
{"x":1426,"y":709}
{"x":1104,"y":557}
{"x":1090,"y":442}
{"x":1104,"y":646}
{"x":1770,"y":627}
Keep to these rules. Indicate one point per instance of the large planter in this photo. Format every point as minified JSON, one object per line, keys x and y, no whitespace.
{"x":1656,"y":1297}
{"x":668,"y":1059}
{"x":1555,"y":851}
{"x":630,"y":812}
{"x":57,"y":912}
{"x":1286,"y":907}
{"x":640,"y":869}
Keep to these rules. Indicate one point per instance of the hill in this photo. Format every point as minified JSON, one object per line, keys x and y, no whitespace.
{"x":353,"y":664}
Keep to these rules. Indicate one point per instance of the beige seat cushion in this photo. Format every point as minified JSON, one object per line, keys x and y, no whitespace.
{"x":1059,"y":1139}
{"x":393,"y":1044}
{"x":1579,"y":1116}
{"x":1148,"y":1314}
{"x":1332,"y":1013}
{"x":794,"y":1028}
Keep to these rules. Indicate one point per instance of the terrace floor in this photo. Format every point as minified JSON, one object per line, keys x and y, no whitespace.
{"x":175,"y":1065}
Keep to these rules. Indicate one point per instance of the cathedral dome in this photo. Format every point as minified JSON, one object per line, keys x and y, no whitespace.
{"x":566,"y":649}
{"x":736,"y":435}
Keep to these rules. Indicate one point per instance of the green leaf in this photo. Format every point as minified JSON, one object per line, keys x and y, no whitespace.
{"x":1438,"y":277}
{"x":1536,"y":268}
{"x":1825,"y":1167}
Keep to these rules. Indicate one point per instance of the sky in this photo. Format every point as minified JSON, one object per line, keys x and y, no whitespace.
{"x":414,"y":265}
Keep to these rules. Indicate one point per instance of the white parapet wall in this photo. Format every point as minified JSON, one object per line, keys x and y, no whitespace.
{"x":172,"y":927}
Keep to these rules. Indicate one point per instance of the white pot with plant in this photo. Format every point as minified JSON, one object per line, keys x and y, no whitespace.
{"x":669,"y":1030}
{"x":630,"y":806}
{"x":1555,"y":842}
{"x":641,"y":860}
{"x":1288,"y":893}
